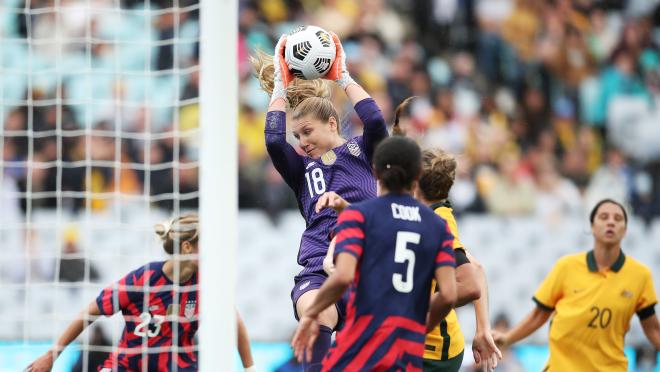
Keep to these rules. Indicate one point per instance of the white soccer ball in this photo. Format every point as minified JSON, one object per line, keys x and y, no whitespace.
{"x":309,"y":52}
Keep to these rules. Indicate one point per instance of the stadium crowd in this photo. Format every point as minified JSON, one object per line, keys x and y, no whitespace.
{"x":550,"y":105}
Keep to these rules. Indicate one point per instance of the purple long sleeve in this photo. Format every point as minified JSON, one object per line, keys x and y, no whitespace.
{"x":285,"y":159}
{"x":375,"y":129}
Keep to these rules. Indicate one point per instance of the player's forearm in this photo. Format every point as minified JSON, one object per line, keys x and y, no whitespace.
{"x":438,"y":310}
{"x":527,"y":326}
{"x":481,"y":304}
{"x":654,"y":338}
{"x":356,"y":93}
{"x":285,"y":159}
{"x":468,"y":288}
{"x":328,"y":260}
{"x":375,"y":128}
{"x":651,"y":327}
{"x":329,"y":294}
{"x":76,"y":327}
{"x":71,"y":332}
{"x":244,"y":344}
{"x":277,"y":105}
{"x":445,"y":298}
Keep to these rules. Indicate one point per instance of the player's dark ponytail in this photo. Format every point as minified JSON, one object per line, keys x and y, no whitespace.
{"x":178,"y":230}
{"x":397,"y":162}
{"x":396,"y":128}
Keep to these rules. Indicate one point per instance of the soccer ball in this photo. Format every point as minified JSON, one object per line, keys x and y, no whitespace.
{"x":309,"y":52}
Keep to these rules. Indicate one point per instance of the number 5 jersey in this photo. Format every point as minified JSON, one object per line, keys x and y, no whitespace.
{"x":399,"y":243}
{"x":151,"y":309}
{"x":345,"y":170}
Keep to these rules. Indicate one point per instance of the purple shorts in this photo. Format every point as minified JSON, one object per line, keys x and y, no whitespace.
{"x":306,"y":282}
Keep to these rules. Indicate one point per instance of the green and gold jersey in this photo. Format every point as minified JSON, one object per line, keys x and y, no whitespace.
{"x":446,"y":340}
{"x":592,"y":311}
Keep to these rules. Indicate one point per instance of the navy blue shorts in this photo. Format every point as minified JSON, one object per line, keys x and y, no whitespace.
{"x":305,"y":283}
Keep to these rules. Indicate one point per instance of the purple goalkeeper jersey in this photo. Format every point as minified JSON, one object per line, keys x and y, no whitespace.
{"x":345,"y":170}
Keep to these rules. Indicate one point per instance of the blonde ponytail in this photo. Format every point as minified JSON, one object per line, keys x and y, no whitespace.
{"x":181,"y":229}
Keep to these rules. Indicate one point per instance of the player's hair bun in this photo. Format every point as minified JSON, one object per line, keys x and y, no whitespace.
{"x":179,"y":230}
{"x":395,"y":175}
{"x":162,"y":229}
{"x":397,"y":161}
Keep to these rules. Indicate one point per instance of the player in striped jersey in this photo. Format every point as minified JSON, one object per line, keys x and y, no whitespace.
{"x":157,"y":317}
{"x":388,"y":250}
{"x":328,"y":162}
{"x":445,"y":344}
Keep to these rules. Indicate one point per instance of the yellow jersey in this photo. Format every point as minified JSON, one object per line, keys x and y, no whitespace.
{"x":592,"y":310}
{"x":445,"y":341}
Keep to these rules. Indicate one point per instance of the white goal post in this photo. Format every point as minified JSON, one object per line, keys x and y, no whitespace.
{"x":218,"y":183}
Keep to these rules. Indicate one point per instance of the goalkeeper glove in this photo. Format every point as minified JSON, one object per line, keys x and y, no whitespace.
{"x":282,"y":76}
{"x":338,"y":71}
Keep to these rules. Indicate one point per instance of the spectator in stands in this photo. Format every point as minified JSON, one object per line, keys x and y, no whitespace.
{"x":557,"y":198}
{"x":620,"y":79}
{"x":614,"y":179}
{"x":511,"y":192}
{"x":74,"y":266}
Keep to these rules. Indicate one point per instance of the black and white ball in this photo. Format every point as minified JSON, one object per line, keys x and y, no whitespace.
{"x":309,"y":52}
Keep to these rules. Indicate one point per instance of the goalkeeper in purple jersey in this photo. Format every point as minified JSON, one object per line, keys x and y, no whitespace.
{"x":330,"y":163}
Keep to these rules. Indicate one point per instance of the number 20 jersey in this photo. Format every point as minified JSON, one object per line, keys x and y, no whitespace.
{"x":399,"y":243}
{"x":145,"y":298}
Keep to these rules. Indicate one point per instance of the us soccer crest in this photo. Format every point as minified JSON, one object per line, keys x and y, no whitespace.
{"x":189,"y":310}
{"x":354,"y":148}
{"x":329,"y":158}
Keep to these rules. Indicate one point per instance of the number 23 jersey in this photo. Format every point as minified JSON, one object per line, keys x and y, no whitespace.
{"x":145,"y":298}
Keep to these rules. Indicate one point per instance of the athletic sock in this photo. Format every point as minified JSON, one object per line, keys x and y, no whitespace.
{"x":320,"y":348}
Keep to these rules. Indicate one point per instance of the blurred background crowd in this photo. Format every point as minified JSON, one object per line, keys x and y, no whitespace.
{"x":110,"y":88}
{"x":548,"y":104}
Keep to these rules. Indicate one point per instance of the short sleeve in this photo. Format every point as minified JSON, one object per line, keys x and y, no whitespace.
{"x":551,"y":289}
{"x":647,"y":299}
{"x":453,"y":228}
{"x":445,"y":255}
{"x":117,"y":296}
{"x":461,"y":257}
{"x":349,"y":232}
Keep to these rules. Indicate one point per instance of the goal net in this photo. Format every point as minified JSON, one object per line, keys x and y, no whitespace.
{"x":100,"y":140}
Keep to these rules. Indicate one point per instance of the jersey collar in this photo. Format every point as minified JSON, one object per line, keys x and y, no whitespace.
{"x":437,"y":205}
{"x":616,"y":266}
